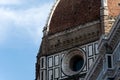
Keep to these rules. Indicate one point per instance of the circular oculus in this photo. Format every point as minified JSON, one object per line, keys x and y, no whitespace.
{"x":73,"y":62}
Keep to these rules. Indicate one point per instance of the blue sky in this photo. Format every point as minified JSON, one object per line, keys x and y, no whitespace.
{"x":21,"y":24}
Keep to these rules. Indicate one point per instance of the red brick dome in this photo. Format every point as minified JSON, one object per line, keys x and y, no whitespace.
{"x":71,"y":13}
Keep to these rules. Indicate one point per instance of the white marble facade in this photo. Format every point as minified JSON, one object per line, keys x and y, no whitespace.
{"x":51,"y":66}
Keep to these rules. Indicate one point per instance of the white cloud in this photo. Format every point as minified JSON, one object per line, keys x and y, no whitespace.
{"x":31,"y":21}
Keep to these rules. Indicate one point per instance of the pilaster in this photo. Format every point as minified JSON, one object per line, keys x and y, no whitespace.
{"x":104,"y":17}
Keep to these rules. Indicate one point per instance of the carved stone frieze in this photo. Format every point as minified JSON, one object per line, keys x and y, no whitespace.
{"x":73,"y":39}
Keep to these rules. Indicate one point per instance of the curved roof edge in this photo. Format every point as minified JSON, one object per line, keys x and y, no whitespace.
{"x":50,"y":15}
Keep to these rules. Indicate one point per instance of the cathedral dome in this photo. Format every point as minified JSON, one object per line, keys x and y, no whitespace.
{"x":71,"y":13}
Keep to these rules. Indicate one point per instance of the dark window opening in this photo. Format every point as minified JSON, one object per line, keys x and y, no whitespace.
{"x":109,"y":62}
{"x":110,"y":79}
{"x":42,"y":75}
{"x":42,"y":62}
{"x":76,"y":63}
{"x":51,"y":77}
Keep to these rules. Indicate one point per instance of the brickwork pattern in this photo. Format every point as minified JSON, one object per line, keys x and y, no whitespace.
{"x":114,"y":7}
{"x":71,"y":13}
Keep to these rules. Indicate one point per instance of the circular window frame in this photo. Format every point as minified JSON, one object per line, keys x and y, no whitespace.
{"x":66,"y":69}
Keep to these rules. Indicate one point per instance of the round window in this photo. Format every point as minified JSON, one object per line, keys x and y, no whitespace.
{"x":73,"y":62}
{"x":76,"y":63}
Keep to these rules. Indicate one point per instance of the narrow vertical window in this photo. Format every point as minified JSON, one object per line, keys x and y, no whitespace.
{"x":56,"y":73}
{"x":41,"y":75}
{"x":50,"y":75}
{"x":50,"y":61}
{"x":42,"y":63}
{"x":56,"y":60}
{"x":90,"y":50}
{"x":109,"y":62}
{"x":96,"y":48}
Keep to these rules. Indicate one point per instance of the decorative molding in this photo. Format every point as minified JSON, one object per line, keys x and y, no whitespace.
{"x":74,"y":29}
{"x":75,"y":41}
